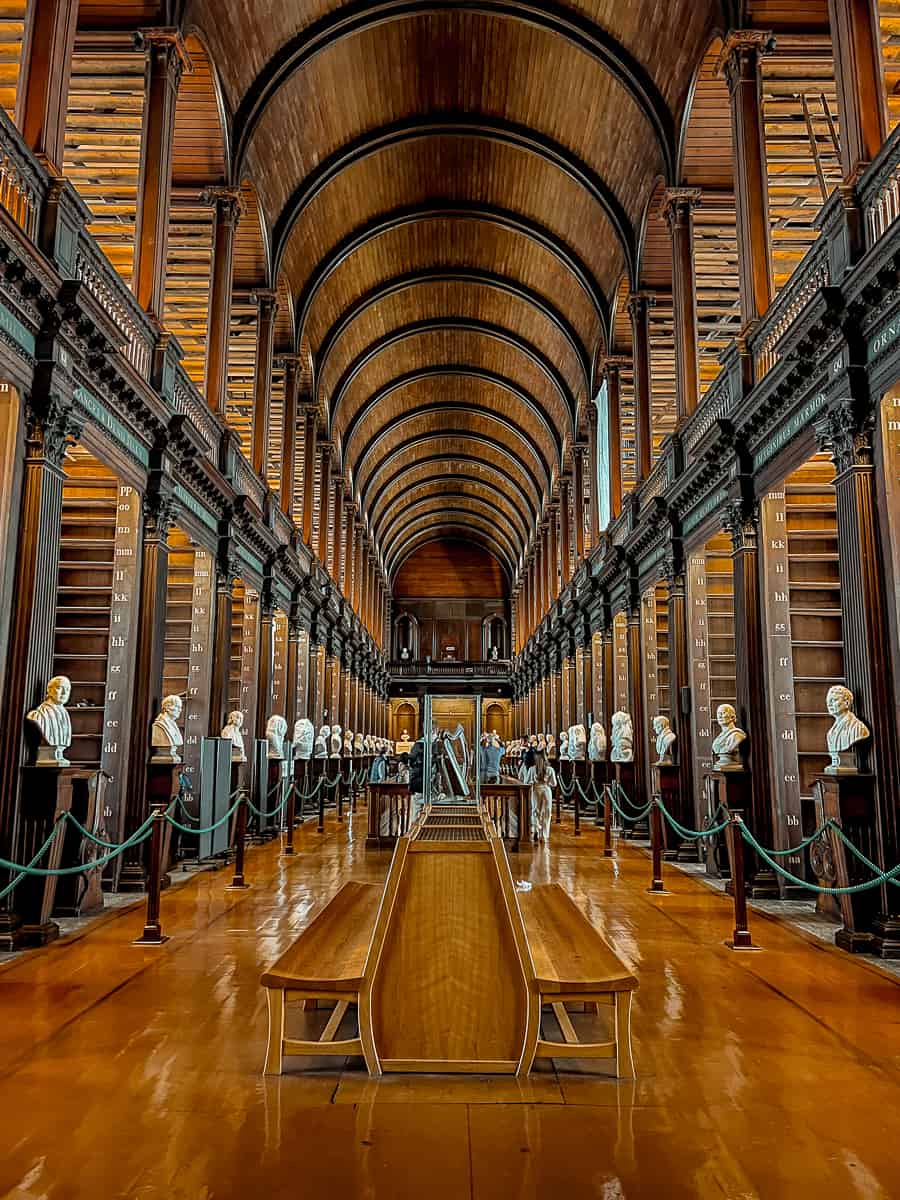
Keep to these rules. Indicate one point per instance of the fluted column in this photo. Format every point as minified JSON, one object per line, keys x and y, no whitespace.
{"x":227,"y":204}
{"x":45,"y":70}
{"x":310,"y":419}
{"x":856,"y":43}
{"x":289,"y":433}
{"x":613,"y":371}
{"x":678,"y":208}
{"x":267,"y":300}
{"x":639,"y":305}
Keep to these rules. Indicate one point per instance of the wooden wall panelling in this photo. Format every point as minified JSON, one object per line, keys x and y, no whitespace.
{"x":103,"y":141}
{"x":12,"y":31}
{"x":280,"y":680}
{"x":621,"y":686}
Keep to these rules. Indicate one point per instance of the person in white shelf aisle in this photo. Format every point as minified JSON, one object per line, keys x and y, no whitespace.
{"x":542,"y":779}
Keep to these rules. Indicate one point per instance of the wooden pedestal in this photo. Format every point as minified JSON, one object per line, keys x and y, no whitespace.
{"x":736,"y":790}
{"x":665,"y":786}
{"x":849,"y":799}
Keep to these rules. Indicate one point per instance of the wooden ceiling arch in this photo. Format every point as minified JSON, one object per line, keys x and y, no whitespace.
{"x":453,"y":467}
{"x":585,"y":35}
{"x":428,"y":537}
{"x":456,"y":486}
{"x":460,"y":374}
{"x":474,"y":277}
{"x":465,"y":524}
{"x":440,"y":446}
{"x":471,"y":127}
{"x":484,"y":331}
{"x":459,"y":503}
{"x":459,"y":421}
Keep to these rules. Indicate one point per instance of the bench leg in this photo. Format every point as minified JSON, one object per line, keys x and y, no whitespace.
{"x":623,"y":1036}
{"x":276,"y":1031}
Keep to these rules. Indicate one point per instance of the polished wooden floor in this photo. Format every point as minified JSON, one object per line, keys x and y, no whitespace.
{"x":136,"y":1073}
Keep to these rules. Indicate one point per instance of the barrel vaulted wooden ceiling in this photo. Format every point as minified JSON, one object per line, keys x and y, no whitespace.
{"x":454,"y":196}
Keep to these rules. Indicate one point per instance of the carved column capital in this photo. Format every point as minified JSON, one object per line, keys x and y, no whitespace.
{"x":848,"y":435}
{"x":168,"y":46}
{"x":740,"y":520}
{"x":50,"y":428}
{"x":679,"y":203}
{"x":227,"y":201}
{"x":266,"y":299}
{"x":740,"y":53}
{"x":640,"y":303}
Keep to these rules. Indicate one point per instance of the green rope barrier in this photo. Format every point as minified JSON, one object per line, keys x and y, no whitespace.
{"x":10,"y":887}
{"x":831,"y":824}
{"x":853,"y":889}
{"x":140,"y":835}
{"x":92,"y":837}
{"x":566,"y":791}
{"x":631,"y":804}
{"x":266,"y":813}
{"x":209,"y":829}
{"x":638,"y":816}
{"x":693,"y":833}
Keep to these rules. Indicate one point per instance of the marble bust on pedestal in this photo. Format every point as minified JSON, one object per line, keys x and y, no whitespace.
{"x":563,"y":745}
{"x":322,"y":741}
{"x":727,"y":745}
{"x":597,"y":744}
{"x":622,"y":738}
{"x":347,"y":749}
{"x":665,"y":740}
{"x":232,"y":732}
{"x":53,"y":723}
{"x":359,"y":745}
{"x":577,"y":742}
{"x":165,"y":736}
{"x":846,"y":731}
{"x":276,"y":732}
{"x":304,"y":737}
{"x":336,"y":741}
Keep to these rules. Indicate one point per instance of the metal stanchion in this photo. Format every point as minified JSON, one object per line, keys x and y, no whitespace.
{"x":740,"y":938}
{"x":291,"y":814}
{"x":607,"y":821}
{"x":240,"y":837}
{"x":656,"y":836}
{"x":153,"y":934}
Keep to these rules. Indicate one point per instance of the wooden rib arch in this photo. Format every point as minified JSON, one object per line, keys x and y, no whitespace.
{"x":460,"y":125}
{"x":453,"y":486}
{"x":587,"y":36}
{"x":541,"y":470}
{"x":470,"y":325}
{"x":468,"y":526}
{"x":427,"y":536}
{"x":463,"y":467}
{"x":490,"y":452}
{"x":394,"y":538}
{"x":551,"y":433}
{"x":455,"y":502}
{"x":478,"y":278}
{"x":503,"y":218}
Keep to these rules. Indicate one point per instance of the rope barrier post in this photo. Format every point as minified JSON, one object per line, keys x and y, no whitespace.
{"x":238,"y":883}
{"x":575,"y":792}
{"x":607,"y":821}
{"x":320,"y":828}
{"x":291,"y":813}
{"x":153,"y":934}
{"x":740,"y":938}
{"x":656,"y":836}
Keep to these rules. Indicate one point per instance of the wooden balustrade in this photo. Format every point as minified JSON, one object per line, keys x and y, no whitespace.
{"x":879,"y":190}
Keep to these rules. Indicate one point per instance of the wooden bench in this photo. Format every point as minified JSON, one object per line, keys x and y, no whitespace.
{"x":573,"y":964}
{"x":325,"y":963}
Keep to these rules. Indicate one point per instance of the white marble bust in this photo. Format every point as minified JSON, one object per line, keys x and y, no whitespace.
{"x":846,"y":731}
{"x":165,"y":736}
{"x":276,"y":732}
{"x":304,"y":737}
{"x":347,"y":749}
{"x":563,"y":745}
{"x":232,"y":731}
{"x":597,"y":744}
{"x":359,"y":745}
{"x":551,"y":746}
{"x":726,"y":746}
{"x":665,"y":740}
{"x":336,"y":741}
{"x":52,"y":720}
{"x":622,"y":738}
{"x":577,"y":742}
{"x":322,"y":742}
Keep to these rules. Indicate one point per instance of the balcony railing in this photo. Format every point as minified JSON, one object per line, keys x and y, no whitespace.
{"x":811,"y":276}
{"x":23,"y":183}
{"x":412,"y":668}
{"x":188,"y":401}
{"x":715,"y":406}
{"x":108,"y":287}
{"x":879,"y":190}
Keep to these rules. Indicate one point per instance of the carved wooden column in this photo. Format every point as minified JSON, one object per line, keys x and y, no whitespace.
{"x":218,"y":702}
{"x":267,"y":301}
{"x":608,"y":672}
{"x":740,"y":63}
{"x":149,"y":647}
{"x":266,"y":650}
{"x":613,"y":371}
{"x":565,"y":529}
{"x":639,"y":305}
{"x":294,"y":669}
{"x":165,"y":62}
{"x":325,"y":500}
{"x":311,"y":421}
{"x":679,"y":679}
{"x":741,"y":521}
{"x":552,"y":553}
{"x":856,"y":42}
{"x":49,"y":425}
{"x":868,"y":661}
{"x":289,"y":433}
{"x":227,"y":204}
{"x":678,"y":207}
{"x":593,"y":507}
{"x":636,"y":702}
{"x":578,"y":460}
{"x":42,"y":97}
